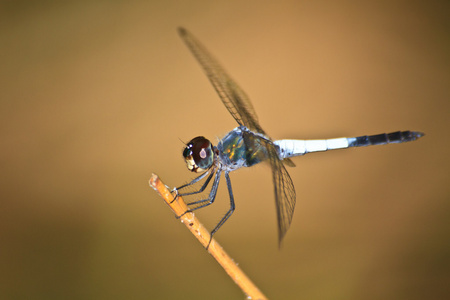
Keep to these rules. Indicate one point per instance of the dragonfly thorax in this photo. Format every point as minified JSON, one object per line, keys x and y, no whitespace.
{"x":241,"y":148}
{"x":199,"y":154}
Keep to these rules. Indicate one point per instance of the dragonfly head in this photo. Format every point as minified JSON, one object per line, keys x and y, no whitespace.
{"x":199,"y":154}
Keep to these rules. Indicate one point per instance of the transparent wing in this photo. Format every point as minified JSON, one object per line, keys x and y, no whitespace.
{"x":232,"y":96}
{"x":238,"y":104}
{"x":284,"y":192}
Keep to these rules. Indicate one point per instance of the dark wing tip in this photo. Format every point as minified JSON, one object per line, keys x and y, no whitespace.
{"x":182,"y":31}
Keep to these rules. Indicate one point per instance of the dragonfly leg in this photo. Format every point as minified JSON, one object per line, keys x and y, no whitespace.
{"x":229,"y":212}
{"x":208,"y":201}
{"x":192,"y":183}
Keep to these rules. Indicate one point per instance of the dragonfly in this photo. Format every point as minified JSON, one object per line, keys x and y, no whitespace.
{"x":248,"y":144}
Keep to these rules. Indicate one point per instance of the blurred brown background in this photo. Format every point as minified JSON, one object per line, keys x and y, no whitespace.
{"x":96,"y":95}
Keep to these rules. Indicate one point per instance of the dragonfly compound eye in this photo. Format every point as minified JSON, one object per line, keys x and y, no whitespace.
{"x":199,"y":154}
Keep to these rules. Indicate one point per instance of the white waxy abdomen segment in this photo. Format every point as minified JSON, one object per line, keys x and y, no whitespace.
{"x":289,"y":148}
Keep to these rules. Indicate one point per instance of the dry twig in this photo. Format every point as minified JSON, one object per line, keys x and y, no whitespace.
{"x":202,"y":234}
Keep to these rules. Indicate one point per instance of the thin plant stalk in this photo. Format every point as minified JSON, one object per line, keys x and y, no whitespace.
{"x":202,"y":234}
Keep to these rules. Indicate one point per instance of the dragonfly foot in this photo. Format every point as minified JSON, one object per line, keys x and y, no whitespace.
{"x":209,"y":243}
{"x":187,"y":211}
{"x":176,"y":194}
